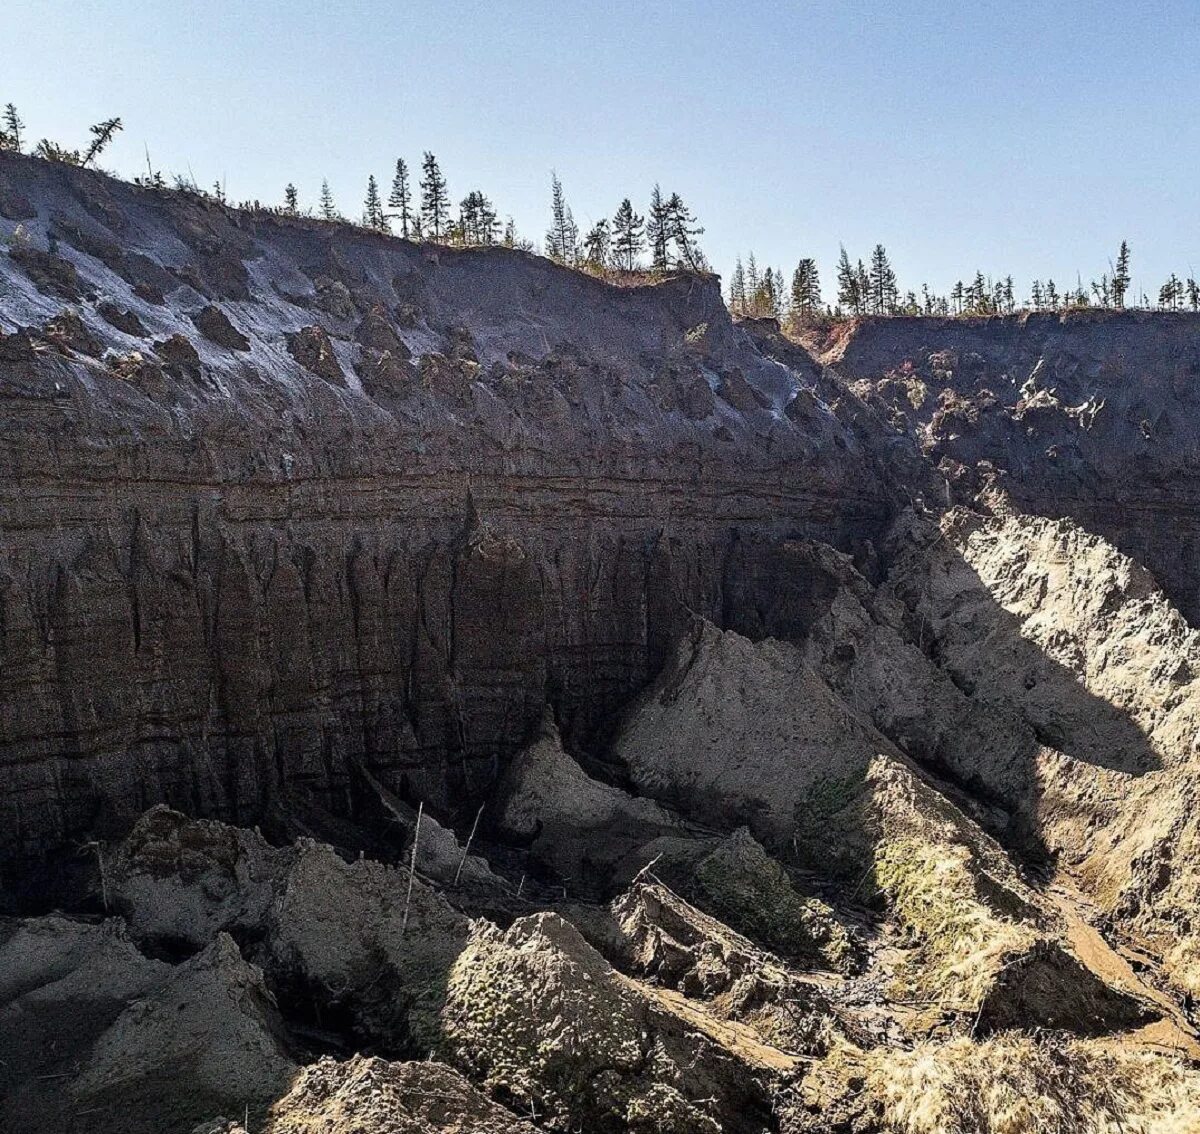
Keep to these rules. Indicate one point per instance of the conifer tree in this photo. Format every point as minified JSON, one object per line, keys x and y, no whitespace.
{"x":1120,"y":280}
{"x":291,"y":201}
{"x":1036,"y":298}
{"x":401,"y":197}
{"x":883,"y":289}
{"x":562,"y":238}
{"x":1193,"y":294}
{"x":477,"y":223}
{"x":849,"y":293}
{"x":596,"y":245}
{"x":328,"y":208}
{"x":102,"y":135}
{"x":737,"y":289}
{"x":958,"y":296}
{"x":682,"y":230}
{"x":1051,"y":295}
{"x":806,"y":290}
{"x":657,"y":235}
{"x":10,"y":136}
{"x":373,"y":216}
{"x":752,"y":280}
{"x":435,"y":201}
{"x":627,"y":236}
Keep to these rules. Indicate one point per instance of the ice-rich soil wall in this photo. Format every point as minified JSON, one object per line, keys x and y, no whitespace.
{"x":279,"y":497}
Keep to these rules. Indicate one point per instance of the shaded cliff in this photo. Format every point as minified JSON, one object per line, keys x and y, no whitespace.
{"x":1090,"y":415}
{"x":281,"y":498}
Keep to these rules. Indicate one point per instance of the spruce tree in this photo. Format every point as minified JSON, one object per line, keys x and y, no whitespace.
{"x":328,"y":208}
{"x":562,"y":238}
{"x":849,"y":292}
{"x":435,"y":201}
{"x":10,"y":136}
{"x":737,"y":289}
{"x":883,"y":290}
{"x":401,"y":197}
{"x":477,"y":223}
{"x":806,"y":290}
{"x":597,"y":244}
{"x":373,"y":216}
{"x":657,"y":235}
{"x":1120,"y":280}
{"x":1036,"y":298}
{"x":682,"y":230}
{"x":627,"y":236}
{"x":1193,"y":294}
{"x":291,"y":201}
{"x":1051,"y":295}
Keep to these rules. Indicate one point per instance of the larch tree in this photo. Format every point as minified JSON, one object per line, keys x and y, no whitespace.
{"x":400,"y":200}
{"x":478,"y":222}
{"x":627,"y":236}
{"x":435,"y":201}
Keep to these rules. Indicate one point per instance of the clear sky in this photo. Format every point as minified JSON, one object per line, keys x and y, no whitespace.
{"x":1012,"y":137}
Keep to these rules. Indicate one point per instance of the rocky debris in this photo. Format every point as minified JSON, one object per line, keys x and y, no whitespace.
{"x":740,"y":883}
{"x":1044,"y":622}
{"x":590,"y":1047}
{"x":180,"y":358}
{"x":334,"y":298}
{"x":135,"y":368}
{"x":69,"y":332}
{"x":210,"y":1039}
{"x":985,"y":944}
{"x":124,"y":319}
{"x":348,"y":935}
{"x":447,"y":378}
{"x":215,"y":326}
{"x":375,"y":332}
{"x":311,"y":348}
{"x":661,"y":938}
{"x":343,"y":936}
{"x":1008,"y":1084}
{"x":372,"y":1096}
{"x":384,"y":375}
{"x":578,"y":827}
{"x":49,"y":273}
{"x":179,"y":881}
{"x":737,"y":732}
{"x":62,"y":983}
{"x":444,"y":859}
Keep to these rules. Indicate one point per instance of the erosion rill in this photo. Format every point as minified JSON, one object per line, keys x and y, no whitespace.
{"x":442,"y":691}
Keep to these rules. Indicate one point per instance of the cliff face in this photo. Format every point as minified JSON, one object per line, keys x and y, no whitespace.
{"x":281,"y":497}
{"x":1086,"y":415}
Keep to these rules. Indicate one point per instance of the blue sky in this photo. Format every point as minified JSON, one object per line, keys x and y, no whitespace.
{"x":1011,"y":137}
